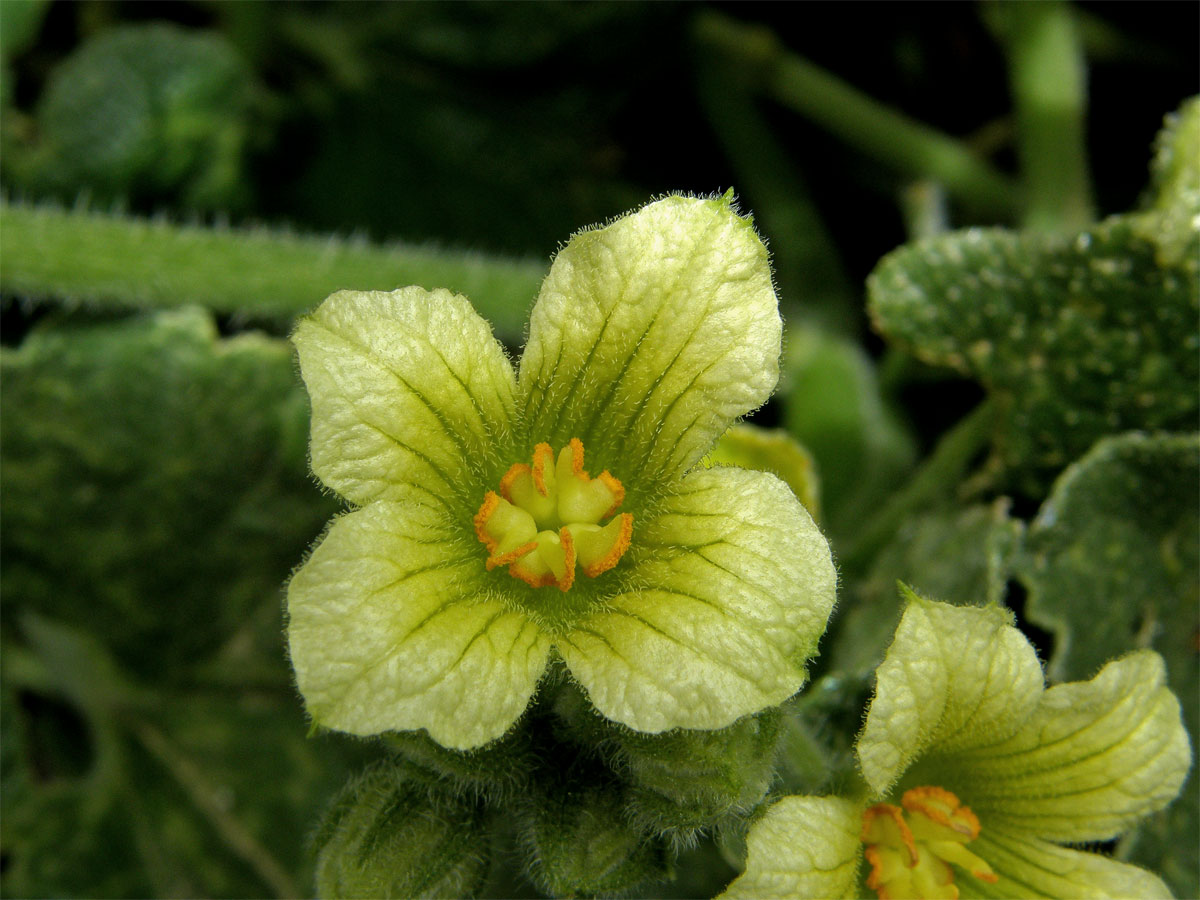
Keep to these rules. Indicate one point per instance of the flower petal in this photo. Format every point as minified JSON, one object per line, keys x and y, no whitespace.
{"x":953,"y":678}
{"x":802,"y":847}
{"x":390,"y":629}
{"x":650,"y":336}
{"x":1094,"y":758}
{"x":407,"y":387}
{"x":729,"y":589}
{"x":1029,"y":867}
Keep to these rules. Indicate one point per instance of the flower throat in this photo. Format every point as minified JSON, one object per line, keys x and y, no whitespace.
{"x":544,"y":520}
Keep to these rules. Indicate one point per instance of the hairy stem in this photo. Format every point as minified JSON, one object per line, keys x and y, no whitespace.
{"x":123,"y":262}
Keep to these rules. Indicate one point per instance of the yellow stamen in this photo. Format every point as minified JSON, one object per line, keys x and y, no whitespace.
{"x":911,"y":851}
{"x":546,"y":517}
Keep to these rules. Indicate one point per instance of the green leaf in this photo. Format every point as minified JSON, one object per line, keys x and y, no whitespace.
{"x":1175,"y":172}
{"x":19,"y":23}
{"x":387,"y":835}
{"x":649,"y":337}
{"x":390,"y":628}
{"x":1112,"y":558}
{"x":776,"y":452}
{"x":954,"y":678}
{"x":146,"y":111}
{"x":155,"y":486}
{"x":961,"y":556}
{"x":802,"y":847}
{"x":832,"y":404}
{"x":409,"y":391}
{"x":732,"y":582}
{"x":199,"y":793}
{"x":1112,"y":563}
{"x":1175,"y":191}
{"x":1075,"y":337}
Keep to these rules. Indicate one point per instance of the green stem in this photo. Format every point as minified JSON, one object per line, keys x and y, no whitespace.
{"x":124,"y":262}
{"x":206,"y":797}
{"x":806,"y":261}
{"x":1048,"y":81}
{"x":884,"y":133}
{"x":937,"y":476}
{"x":923,"y":204}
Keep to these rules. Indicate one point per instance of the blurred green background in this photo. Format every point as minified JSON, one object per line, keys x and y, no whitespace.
{"x":155,"y":486}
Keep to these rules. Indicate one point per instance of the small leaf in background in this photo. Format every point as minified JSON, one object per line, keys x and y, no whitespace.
{"x":147,"y":112}
{"x":833,"y":406}
{"x":1112,"y":563}
{"x":771,"y":451}
{"x":1076,"y":337}
{"x":19,"y":22}
{"x":156,"y":486}
{"x":961,"y":555}
{"x":388,"y":835}
{"x":1175,"y":188}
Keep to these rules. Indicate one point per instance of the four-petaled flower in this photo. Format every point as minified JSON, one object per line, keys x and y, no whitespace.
{"x":978,"y":775}
{"x":481,"y":544}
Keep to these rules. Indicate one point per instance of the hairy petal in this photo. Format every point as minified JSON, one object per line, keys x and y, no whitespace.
{"x":1029,"y":867}
{"x":650,"y":336}
{"x":803,"y":847}
{"x":1093,"y":759}
{"x":729,"y":588}
{"x":954,"y":678}
{"x":408,"y":388}
{"x":390,"y":629}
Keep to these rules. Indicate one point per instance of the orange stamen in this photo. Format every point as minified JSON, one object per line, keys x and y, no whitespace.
{"x":943,"y":807}
{"x":542,"y":455}
{"x":514,"y":472}
{"x":617,"y":550}
{"x":892,"y":812}
{"x":544,"y":580}
{"x":490,"y":502}
{"x":617,"y":489}
{"x":511,"y":556}
{"x":568,"y":545}
{"x":874,"y":880}
{"x":576,"y":447}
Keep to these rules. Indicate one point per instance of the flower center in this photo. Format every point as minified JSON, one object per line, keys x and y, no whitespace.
{"x":546,"y":518}
{"x":911,"y":850}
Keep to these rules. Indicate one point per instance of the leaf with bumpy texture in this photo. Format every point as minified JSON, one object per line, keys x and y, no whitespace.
{"x":155,"y":484}
{"x":1076,"y":337}
{"x":1113,"y":563}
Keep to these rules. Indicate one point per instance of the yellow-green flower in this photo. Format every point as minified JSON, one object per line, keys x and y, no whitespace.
{"x":979,"y":777}
{"x":502,"y":518}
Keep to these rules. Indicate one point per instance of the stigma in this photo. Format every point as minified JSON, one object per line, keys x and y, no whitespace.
{"x":912,"y":850}
{"x":544,"y":520}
